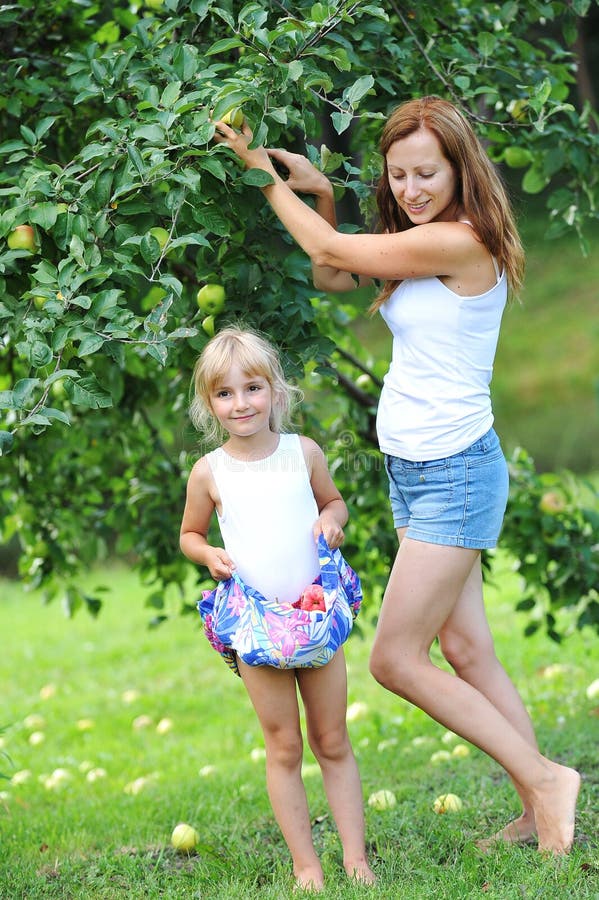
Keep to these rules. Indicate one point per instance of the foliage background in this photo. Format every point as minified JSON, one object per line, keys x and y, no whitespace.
{"x":105,"y":116}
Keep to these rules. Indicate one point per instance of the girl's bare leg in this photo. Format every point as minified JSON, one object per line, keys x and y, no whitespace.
{"x":467,"y":644}
{"x":324,"y":692}
{"x":274,"y":696}
{"x":425,"y":584}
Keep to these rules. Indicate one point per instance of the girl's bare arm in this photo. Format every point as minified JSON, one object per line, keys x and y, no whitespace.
{"x":199,"y":509}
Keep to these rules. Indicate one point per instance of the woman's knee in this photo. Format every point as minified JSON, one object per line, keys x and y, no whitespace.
{"x":465,"y":652}
{"x":394,"y":670}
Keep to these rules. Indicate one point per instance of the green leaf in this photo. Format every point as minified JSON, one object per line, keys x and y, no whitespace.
{"x":29,"y":136}
{"x":159,"y":352}
{"x":77,"y":250}
{"x":11,"y":146}
{"x":223,"y":45}
{"x":170,"y":94}
{"x":45,"y":273}
{"x":358,"y":89}
{"x":153,"y":133}
{"x":136,"y":158}
{"x":44,"y":125}
{"x":214,"y":166}
{"x":90,"y":344}
{"x":23,"y":389}
{"x":87,"y":392}
{"x":213,"y":220}
{"x":44,"y":215}
{"x":487,"y":43}
{"x":7,"y":440}
{"x":256,"y":178}
{"x":341,"y":121}
{"x":149,"y":248}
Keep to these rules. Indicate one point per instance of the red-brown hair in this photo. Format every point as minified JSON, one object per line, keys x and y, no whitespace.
{"x":480,"y":191}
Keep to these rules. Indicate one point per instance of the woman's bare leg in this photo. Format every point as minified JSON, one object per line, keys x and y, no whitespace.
{"x":425,"y":584}
{"x":467,"y":644}
{"x":324,"y":692}
{"x":274,"y":696}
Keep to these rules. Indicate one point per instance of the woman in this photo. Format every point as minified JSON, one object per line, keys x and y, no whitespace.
{"x":447,"y":254}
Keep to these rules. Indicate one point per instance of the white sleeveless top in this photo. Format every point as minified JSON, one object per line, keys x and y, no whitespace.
{"x":268,"y":510}
{"x":436,"y":399}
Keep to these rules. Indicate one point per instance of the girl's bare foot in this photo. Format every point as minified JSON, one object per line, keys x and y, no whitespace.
{"x":309,"y":878}
{"x":360,"y":872}
{"x":555,"y":810}
{"x":521,"y":831}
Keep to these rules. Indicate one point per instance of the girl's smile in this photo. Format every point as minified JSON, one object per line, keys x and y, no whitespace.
{"x":242,"y":402}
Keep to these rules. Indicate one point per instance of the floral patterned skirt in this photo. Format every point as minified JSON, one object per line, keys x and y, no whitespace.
{"x":239,"y":621}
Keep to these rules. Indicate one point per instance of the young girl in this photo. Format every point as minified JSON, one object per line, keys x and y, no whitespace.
{"x":274,"y":496}
{"x":447,"y":253}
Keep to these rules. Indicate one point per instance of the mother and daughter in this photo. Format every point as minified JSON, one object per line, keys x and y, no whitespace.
{"x":447,"y":255}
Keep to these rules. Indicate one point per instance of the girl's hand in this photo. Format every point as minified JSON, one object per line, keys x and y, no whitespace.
{"x":238,"y":142}
{"x":303,"y":177}
{"x":219,"y":563}
{"x":331,"y":529}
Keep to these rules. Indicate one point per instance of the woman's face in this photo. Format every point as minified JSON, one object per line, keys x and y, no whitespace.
{"x":421,"y":179}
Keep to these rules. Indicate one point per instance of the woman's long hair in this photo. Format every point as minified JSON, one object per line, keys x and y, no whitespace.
{"x":480,"y":191}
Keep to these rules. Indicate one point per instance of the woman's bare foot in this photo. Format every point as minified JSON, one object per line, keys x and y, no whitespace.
{"x":555,"y":809}
{"x":360,"y":872}
{"x":309,"y":878}
{"x":521,"y":831}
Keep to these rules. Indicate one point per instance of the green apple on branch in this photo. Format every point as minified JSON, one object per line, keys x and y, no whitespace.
{"x":22,"y":238}
{"x":161,"y":235}
{"x":208,"y":325}
{"x":234,"y":117}
{"x":211,"y":299}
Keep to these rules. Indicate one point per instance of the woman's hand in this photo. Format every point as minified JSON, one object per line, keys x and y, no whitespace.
{"x":238,"y":142}
{"x":303,"y":177}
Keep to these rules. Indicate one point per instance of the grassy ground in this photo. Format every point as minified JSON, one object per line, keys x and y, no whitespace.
{"x":94,"y":836}
{"x":545,"y":382}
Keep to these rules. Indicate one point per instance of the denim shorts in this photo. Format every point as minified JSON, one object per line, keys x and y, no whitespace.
{"x":458,"y":501}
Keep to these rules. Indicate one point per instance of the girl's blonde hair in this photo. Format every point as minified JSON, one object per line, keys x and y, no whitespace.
{"x":255,"y":355}
{"x":480,"y":191}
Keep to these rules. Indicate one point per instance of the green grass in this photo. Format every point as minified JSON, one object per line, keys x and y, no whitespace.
{"x":95,"y":840}
{"x":546,"y":377}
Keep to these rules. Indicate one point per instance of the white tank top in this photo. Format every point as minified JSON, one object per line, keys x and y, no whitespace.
{"x":268,"y":510}
{"x":436,"y":399}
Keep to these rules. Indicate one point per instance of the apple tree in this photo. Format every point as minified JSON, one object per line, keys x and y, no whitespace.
{"x":117,"y":211}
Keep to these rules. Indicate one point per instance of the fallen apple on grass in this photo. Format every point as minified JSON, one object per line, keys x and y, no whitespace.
{"x":447,"y":803}
{"x":184,"y":838}
{"x":440,"y":756}
{"x":593,"y":689}
{"x":381,"y":800}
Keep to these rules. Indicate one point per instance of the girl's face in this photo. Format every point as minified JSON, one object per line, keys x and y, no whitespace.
{"x":421,"y":179}
{"x":242,"y":403}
